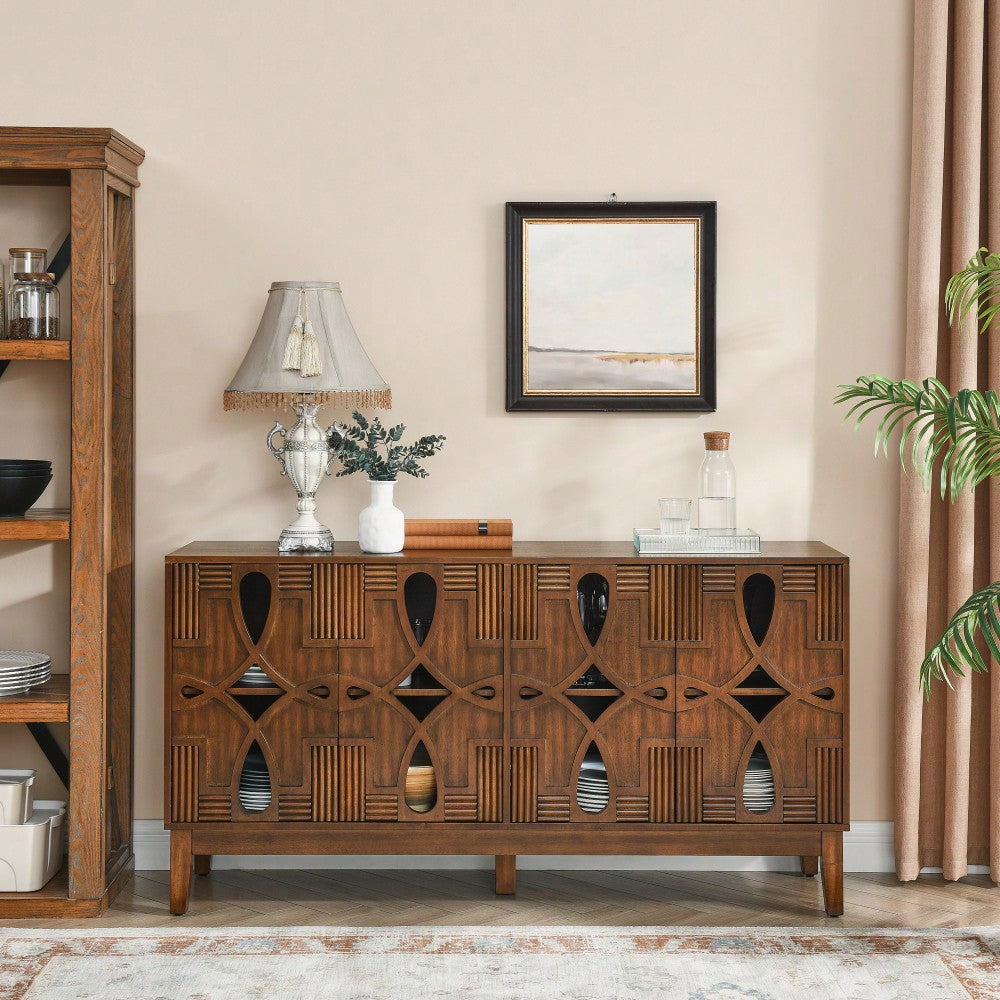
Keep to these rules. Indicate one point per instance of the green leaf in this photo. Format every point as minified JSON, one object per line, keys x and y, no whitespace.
{"x":956,"y":650}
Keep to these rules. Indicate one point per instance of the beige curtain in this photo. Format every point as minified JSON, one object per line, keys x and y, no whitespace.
{"x":948,"y":749}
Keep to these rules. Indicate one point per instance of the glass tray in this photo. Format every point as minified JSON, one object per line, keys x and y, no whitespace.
{"x":649,"y":542}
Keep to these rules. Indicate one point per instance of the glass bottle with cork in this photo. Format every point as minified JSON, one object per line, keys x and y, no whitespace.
{"x":717,"y":487}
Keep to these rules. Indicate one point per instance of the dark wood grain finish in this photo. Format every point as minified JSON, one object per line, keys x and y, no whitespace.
{"x":48,"y":703}
{"x":38,"y":525}
{"x":34,"y":350}
{"x":46,"y":149}
{"x":493,"y":697}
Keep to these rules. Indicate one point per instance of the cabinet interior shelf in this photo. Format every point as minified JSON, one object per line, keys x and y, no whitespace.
{"x":34,"y":350}
{"x":41,"y":524}
{"x":409,"y":692}
{"x":254,"y":692}
{"x":772,"y":692}
{"x":588,"y":692}
{"x":47,"y":703}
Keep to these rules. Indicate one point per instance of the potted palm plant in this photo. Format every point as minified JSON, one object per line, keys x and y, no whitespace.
{"x":959,"y":432}
{"x":375,"y":450}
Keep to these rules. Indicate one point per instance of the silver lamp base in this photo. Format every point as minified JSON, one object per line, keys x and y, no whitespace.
{"x":300,"y":537}
{"x":306,"y":456}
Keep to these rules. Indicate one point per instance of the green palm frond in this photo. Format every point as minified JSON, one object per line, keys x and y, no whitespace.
{"x":977,"y":284}
{"x":979,"y":616}
{"x":962,"y":432}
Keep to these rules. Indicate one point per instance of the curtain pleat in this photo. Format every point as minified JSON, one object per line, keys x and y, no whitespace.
{"x":947,"y":761}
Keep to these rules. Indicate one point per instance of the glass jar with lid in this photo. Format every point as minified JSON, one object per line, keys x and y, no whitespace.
{"x":23,"y":260}
{"x":34,"y":307}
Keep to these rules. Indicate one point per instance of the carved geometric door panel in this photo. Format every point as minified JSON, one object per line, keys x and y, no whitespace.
{"x":254,"y":688}
{"x":592,"y":692}
{"x":761,"y":695}
{"x":422,"y":697}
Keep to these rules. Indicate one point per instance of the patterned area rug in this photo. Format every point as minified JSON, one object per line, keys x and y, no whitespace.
{"x":483,"y":963}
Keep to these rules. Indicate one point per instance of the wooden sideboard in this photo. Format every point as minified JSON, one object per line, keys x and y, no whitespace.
{"x":302,"y":692}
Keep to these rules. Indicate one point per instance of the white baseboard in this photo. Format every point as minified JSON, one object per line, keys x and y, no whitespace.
{"x":867,"y":848}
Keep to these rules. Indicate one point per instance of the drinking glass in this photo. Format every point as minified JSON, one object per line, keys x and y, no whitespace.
{"x":675,"y":517}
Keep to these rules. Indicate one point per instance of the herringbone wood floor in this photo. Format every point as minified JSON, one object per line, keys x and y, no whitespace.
{"x":448,"y":897}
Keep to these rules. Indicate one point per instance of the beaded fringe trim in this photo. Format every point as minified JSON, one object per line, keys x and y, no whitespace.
{"x":361,"y":399}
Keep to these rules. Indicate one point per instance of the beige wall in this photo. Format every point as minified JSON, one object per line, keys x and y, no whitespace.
{"x":375,"y":144}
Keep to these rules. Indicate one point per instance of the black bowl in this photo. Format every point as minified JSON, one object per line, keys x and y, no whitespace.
{"x":24,"y":473}
{"x":11,"y":463}
{"x":18,"y":493}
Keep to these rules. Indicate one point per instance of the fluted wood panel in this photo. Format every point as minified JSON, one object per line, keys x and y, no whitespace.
{"x":184,"y":783}
{"x":460,"y":808}
{"x":675,"y":784}
{"x":553,"y":808}
{"x":338,"y":601}
{"x":459,"y":576}
{"x":524,"y":600}
{"x":215,"y":808}
{"x":798,"y":579}
{"x":718,"y":579}
{"x":215,"y":576}
{"x":632,"y":809}
{"x":351,"y":769}
{"x":553,"y":577}
{"x":295,"y":577}
{"x":293,"y":808}
{"x":185,"y":601}
{"x":381,"y":808}
{"x":632,"y":579}
{"x":489,"y":784}
{"x":675,"y":603}
{"x":380,"y":577}
{"x":830,"y":603}
{"x":324,"y":783}
{"x":718,"y":809}
{"x":829,"y":784}
{"x":489,"y":601}
{"x":524,"y":784}
{"x":798,"y":809}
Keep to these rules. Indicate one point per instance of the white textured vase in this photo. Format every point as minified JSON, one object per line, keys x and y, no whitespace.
{"x":380,"y":524}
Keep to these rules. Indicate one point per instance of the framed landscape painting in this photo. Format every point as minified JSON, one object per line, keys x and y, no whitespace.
{"x":611,"y":306}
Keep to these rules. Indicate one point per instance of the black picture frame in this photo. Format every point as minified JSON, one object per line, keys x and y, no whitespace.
{"x":700,"y":398}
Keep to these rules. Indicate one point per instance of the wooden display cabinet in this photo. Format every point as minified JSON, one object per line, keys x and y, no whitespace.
{"x":100,"y":168}
{"x":710,"y":692}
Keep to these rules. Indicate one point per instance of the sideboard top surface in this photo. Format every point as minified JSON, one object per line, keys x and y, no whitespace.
{"x":617,"y":552}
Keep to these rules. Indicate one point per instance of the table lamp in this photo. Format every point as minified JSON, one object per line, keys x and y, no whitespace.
{"x":305,"y":353}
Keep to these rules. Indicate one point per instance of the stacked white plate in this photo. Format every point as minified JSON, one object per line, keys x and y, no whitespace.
{"x":758,"y":786}
{"x":21,"y":670}
{"x":255,"y":677}
{"x":255,"y":784}
{"x":592,"y":787}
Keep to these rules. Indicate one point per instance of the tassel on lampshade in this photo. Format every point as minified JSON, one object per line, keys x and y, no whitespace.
{"x":306,"y":353}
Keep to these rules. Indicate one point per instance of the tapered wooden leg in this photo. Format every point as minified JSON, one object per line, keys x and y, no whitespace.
{"x":833,"y":873}
{"x":810,"y":864}
{"x":203,"y":864}
{"x":180,"y":870}
{"x":506,"y":874}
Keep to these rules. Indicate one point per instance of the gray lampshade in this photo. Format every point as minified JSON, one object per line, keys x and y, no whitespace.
{"x":343,"y":373}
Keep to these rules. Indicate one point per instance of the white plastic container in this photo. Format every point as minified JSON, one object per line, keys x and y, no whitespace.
{"x":31,"y":853}
{"x":16,"y":796}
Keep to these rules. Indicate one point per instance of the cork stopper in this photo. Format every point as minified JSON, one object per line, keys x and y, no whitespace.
{"x":716,"y":440}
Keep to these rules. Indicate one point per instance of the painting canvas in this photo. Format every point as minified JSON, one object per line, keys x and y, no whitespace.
{"x":611,"y":306}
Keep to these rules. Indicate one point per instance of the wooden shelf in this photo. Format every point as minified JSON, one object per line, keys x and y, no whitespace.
{"x":409,"y":692}
{"x":41,"y":524}
{"x":774,"y":692}
{"x":593,"y":692}
{"x":48,"y":703}
{"x":252,"y":692}
{"x":34,"y":350}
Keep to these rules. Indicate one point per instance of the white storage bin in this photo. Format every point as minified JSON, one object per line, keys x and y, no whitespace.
{"x":16,"y":797}
{"x":31,"y":853}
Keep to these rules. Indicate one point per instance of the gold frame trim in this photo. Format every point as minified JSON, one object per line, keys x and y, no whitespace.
{"x":692,"y":220}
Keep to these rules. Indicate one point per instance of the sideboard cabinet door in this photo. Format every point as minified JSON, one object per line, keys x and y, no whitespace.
{"x":422,"y":697}
{"x":592,"y":693}
{"x":252,"y":689}
{"x":761,"y":693}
